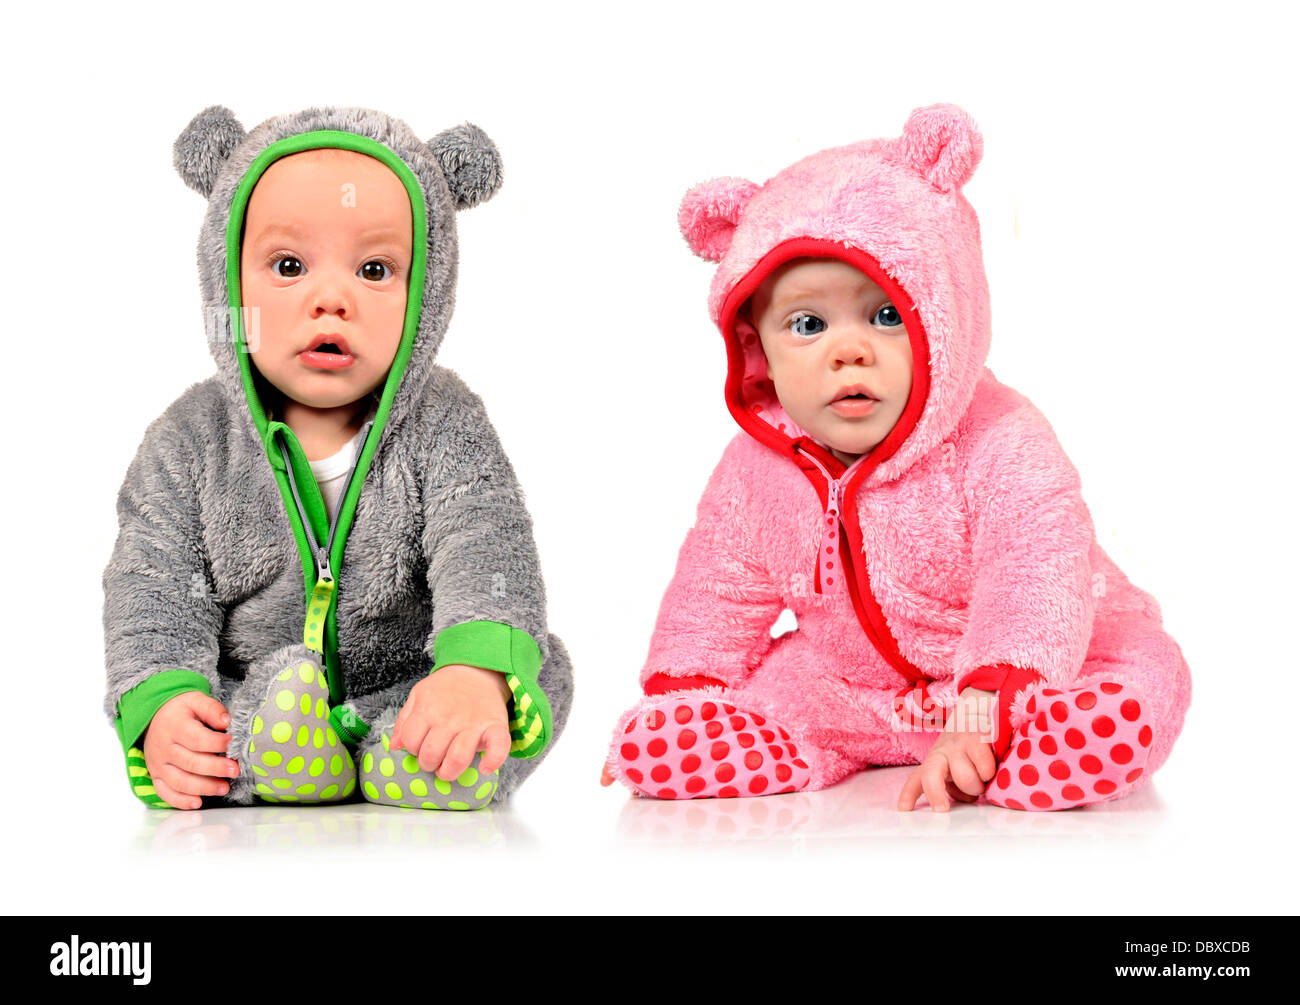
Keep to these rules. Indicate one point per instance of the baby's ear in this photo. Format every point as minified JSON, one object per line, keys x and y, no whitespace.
{"x":203,"y":146}
{"x":942,"y":143}
{"x":470,"y":162}
{"x":709,"y":214}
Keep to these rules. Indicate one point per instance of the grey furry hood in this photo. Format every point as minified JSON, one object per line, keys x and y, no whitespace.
{"x":457,"y":169}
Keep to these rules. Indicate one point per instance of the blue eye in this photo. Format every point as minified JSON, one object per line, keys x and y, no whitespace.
{"x":887,"y":317}
{"x":806,"y":325}
{"x":367,"y":271}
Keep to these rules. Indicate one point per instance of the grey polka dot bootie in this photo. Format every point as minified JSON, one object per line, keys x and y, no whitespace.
{"x":294,"y":754}
{"x":394,"y":778}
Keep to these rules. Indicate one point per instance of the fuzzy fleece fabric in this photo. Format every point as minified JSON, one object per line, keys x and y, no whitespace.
{"x":211,"y":574}
{"x":958,"y":552}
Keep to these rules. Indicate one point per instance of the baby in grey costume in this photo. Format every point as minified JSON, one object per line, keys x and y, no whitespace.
{"x":249,"y":656}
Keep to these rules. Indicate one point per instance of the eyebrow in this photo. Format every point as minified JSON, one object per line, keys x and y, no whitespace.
{"x":377,"y":234}
{"x":788,"y":299}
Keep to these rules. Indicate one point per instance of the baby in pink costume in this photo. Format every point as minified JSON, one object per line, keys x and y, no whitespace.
{"x":955,"y":557}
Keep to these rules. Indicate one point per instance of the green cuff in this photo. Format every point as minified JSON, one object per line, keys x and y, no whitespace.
{"x":136,"y":709}
{"x":348,"y":726}
{"x":493,"y":645}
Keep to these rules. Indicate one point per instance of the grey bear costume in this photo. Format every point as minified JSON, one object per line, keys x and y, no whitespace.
{"x":225,"y":555}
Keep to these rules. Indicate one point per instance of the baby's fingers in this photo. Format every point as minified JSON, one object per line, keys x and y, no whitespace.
{"x":196,"y":736}
{"x":203,"y":764}
{"x":176,"y":800}
{"x":395,"y":741}
{"x":906,"y":799}
{"x":210,"y":711}
{"x":188,"y":784}
{"x":959,"y":795}
{"x":496,"y":749}
{"x":934,"y":778}
{"x":432,"y":750}
{"x":964,"y":774}
{"x":460,"y":752}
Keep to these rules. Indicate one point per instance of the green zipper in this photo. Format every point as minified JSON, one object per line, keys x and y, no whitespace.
{"x":288,"y":462}
{"x":323,"y":592}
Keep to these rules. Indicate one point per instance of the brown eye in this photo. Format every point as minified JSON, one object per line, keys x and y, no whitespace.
{"x":288,"y":267}
{"x":374,"y":270}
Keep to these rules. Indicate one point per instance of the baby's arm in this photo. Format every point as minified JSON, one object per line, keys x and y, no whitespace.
{"x":1032,"y":605}
{"x":161,"y":620}
{"x":489,"y":601}
{"x":715,"y":619}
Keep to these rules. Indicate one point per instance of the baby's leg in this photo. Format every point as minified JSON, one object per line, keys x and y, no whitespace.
{"x":789,"y":727}
{"x":281,"y":736}
{"x":1107,"y":733}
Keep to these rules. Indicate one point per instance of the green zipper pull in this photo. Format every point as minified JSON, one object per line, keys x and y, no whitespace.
{"x":313,"y":629}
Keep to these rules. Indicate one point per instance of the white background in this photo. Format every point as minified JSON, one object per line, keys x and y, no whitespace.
{"x":1139,"y":211}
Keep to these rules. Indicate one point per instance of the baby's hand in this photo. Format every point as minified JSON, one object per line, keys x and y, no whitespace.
{"x":183,"y":747}
{"x":961,"y":762}
{"x":451,"y":715}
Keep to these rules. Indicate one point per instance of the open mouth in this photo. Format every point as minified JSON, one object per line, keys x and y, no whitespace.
{"x":328,"y":347}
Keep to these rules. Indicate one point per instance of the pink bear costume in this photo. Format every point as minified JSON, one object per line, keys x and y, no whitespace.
{"x":959,"y":552}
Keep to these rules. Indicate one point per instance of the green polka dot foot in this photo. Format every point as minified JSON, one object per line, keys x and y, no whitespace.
{"x":294,"y":755}
{"x":394,"y":778}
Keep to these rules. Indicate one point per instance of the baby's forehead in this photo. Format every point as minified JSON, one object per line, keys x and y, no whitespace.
{"x":806,"y":278}
{"x":302,"y":192}
{"x":327,"y":160}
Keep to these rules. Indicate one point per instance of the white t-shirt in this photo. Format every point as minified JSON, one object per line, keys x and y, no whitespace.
{"x":331,"y":472}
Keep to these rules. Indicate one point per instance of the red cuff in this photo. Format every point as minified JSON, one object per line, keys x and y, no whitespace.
{"x":1008,"y":681}
{"x":661,"y":683}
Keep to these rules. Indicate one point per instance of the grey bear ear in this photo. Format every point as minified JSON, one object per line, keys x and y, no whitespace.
{"x":471,"y":163}
{"x":203,"y":146}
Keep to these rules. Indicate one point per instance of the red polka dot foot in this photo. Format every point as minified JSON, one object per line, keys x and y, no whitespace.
{"x":1081,"y":746}
{"x":695,"y":747}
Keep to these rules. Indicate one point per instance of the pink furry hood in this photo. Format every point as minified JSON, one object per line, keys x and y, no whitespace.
{"x":892,"y":208}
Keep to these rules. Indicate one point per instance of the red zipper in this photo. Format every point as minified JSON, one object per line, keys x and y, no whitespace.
{"x":838,"y":498}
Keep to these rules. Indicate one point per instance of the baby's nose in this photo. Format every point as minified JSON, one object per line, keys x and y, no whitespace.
{"x":331,"y":298}
{"x":854,"y":348}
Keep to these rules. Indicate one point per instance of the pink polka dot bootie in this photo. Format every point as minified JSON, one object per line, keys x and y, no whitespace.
{"x":692,"y":746}
{"x":1081,"y":746}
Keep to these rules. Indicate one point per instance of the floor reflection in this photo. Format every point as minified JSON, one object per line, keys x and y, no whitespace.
{"x":863,"y":809}
{"x":350,"y":825}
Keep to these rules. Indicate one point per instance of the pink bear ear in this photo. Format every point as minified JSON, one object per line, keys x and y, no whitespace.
{"x":943,"y":143}
{"x":710,"y":212}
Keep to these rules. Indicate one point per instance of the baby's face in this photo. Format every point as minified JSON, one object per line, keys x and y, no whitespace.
{"x":827,"y":329}
{"x":326,"y":252}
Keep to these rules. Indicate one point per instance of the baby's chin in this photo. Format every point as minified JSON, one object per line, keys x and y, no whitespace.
{"x":845,"y":457}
